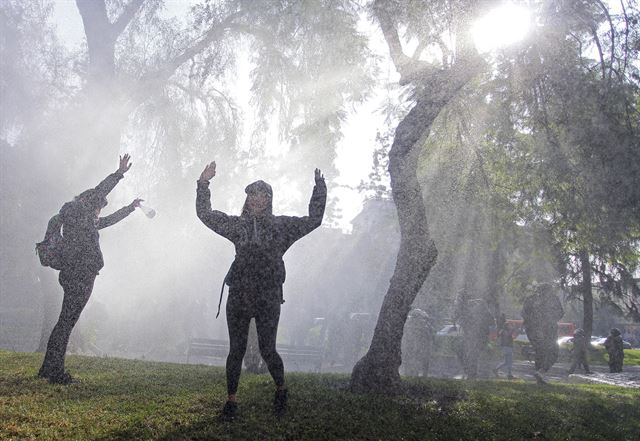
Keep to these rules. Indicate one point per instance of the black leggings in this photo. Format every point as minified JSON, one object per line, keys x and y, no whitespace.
{"x":77,"y":288}
{"x":264,"y":306}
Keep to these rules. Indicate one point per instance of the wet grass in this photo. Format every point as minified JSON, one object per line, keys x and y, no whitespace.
{"x":124,"y":399}
{"x":631,"y":357}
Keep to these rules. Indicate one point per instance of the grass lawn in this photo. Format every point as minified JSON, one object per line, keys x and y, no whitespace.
{"x":124,"y":399}
{"x":631,"y":357}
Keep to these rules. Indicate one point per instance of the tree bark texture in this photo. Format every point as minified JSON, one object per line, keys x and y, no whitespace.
{"x":378,"y":369}
{"x":587,"y":294}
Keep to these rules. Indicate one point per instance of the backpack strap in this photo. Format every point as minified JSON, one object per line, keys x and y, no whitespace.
{"x":220,"y":301}
{"x":224,"y":282}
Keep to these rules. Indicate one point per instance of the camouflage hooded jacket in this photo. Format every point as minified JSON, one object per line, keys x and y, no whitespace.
{"x":260,"y":241}
{"x":80,"y":225}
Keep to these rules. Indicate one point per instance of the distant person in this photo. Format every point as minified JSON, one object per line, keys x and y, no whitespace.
{"x":417,"y":342}
{"x":541,"y":312}
{"x":81,"y":262}
{"x":579,"y":354}
{"x":256,"y":276}
{"x":475,"y":318}
{"x":505,"y":341}
{"x":613,"y":345}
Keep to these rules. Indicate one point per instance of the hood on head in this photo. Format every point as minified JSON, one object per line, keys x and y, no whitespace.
{"x":91,"y":199}
{"x":259,"y":187}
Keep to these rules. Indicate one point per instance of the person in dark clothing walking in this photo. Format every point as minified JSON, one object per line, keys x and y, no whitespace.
{"x":82,"y":260}
{"x":541,"y":312}
{"x":256,"y":276}
{"x":505,"y":341}
{"x":475,"y":318}
{"x":615,"y":349}
{"x":417,"y":342}
{"x":579,"y":352}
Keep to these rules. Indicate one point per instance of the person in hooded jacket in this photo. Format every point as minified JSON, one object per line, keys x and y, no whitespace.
{"x":615,"y":349}
{"x":82,"y":261}
{"x":579,"y":354}
{"x":256,"y":275}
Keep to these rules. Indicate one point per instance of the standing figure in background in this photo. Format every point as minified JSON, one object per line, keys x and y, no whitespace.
{"x":579,"y":354}
{"x":615,"y":349}
{"x":256,"y":276}
{"x":81,"y":261}
{"x":475,"y":318}
{"x":541,"y":312}
{"x":505,"y":341}
{"x":417,"y":343}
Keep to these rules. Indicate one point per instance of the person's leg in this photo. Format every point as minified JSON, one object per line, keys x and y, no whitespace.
{"x":503,"y":363}
{"x":550,"y":352}
{"x":585,"y":363}
{"x":77,"y":291}
{"x":267,"y":319}
{"x":574,"y":363}
{"x":612,"y":363}
{"x":238,"y":319}
{"x":508,"y":358}
{"x":619,"y":363}
{"x":538,"y":354}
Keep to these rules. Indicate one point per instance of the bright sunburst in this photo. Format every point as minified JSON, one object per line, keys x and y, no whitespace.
{"x":502,"y":26}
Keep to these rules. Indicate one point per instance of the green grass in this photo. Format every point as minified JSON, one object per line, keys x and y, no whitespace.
{"x":123,"y":399}
{"x":631,"y":357}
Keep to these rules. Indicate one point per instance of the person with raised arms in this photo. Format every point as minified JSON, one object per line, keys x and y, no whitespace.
{"x":257,"y":274}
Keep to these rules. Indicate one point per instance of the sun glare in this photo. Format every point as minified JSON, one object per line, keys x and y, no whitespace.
{"x":502,"y":26}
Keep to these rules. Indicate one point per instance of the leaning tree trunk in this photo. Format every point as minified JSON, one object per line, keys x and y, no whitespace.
{"x":587,"y":295}
{"x":378,"y":369}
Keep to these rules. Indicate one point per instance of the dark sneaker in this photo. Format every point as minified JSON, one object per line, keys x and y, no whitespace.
{"x":280,"y":402}
{"x":510,"y":377}
{"x":229,"y":411}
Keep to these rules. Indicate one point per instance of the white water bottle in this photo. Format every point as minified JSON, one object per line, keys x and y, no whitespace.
{"x":149,"y":212}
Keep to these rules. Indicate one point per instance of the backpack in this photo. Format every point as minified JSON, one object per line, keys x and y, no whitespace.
{"x":50,"y":249}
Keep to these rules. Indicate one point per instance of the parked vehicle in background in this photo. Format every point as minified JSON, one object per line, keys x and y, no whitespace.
{"x":565,"y":343}
{"x":598,"y":342}
{"x":449,"y":330}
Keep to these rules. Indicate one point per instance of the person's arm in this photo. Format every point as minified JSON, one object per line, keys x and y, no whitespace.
{"x":219,"y":222}
{"x":108,"y":183}
{"x":117,"y":216}
{"x":298,"y":227}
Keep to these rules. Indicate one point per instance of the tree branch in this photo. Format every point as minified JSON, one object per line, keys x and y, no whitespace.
{"x":613,"y":34}
{"x":403,"y":63}
{"x":130,"y":10}
{"x":170,"y":66}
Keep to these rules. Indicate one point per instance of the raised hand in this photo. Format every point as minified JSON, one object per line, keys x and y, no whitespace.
{"x":208,"y":172}
{"x":125,"y":165}
{"x":319,"y":177}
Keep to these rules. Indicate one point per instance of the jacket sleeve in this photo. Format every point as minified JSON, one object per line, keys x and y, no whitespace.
{"x":108,"y":184}
{"x":298,"y":227}
{"x":219,"y":222}
{"x":115,"y":217}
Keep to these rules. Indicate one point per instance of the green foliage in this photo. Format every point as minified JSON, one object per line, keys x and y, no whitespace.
{"x":124,"y":399}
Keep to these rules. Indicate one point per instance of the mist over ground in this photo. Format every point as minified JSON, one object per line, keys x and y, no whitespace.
{"x":272,"y":91}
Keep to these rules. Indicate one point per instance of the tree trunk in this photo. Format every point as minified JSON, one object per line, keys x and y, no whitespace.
{"x":378,"y":369}
{"x":587,"y":295}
